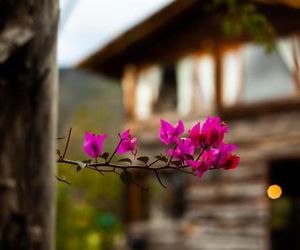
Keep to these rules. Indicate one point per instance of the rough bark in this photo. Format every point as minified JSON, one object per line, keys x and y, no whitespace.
{"x":28,"y":86}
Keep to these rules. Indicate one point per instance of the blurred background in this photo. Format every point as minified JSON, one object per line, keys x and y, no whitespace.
{"x":126,"y":64}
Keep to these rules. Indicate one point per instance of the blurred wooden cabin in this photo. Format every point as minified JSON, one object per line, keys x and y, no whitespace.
{"x":178,"y":63}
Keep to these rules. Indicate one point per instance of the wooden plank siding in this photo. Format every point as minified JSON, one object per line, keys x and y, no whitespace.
{"x":227,"y":210}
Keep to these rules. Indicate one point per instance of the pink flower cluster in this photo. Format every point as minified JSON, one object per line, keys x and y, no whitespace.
{"x":93,"y":144}
{"x":203,"y":149}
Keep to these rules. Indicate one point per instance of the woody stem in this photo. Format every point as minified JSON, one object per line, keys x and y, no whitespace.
{"x":115,"y":151}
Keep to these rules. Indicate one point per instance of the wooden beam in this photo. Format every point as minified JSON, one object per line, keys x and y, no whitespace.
{"x":218,"y":56}
{"x":129,"y":82}
{"x":190,"y":28}
{"x":296,"y":66}
{"x":260,"y":108}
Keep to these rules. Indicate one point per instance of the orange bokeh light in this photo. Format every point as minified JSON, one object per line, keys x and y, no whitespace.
{"x":274,"y":192}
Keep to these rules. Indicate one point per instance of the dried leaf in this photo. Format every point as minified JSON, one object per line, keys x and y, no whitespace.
{"x":126,"y":177}
{"x":177,"y":163}
{"x":125,"y":160}
{"x":162,"y":158}
{"x":105,"y":156}
{"x":144,"y":159}
{"x":189,"y":157}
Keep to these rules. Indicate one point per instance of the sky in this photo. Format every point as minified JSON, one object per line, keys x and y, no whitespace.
{"x":87,"y":25}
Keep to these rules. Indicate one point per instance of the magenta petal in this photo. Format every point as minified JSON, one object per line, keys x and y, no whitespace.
{"x":127,"y":144}
{"x":166,"y":126}
{"x":122,"y":149}
{"x":88,"y":149}
{"x":193,"y":164}
{"x":169,"y":134}
{"x":125,"y":134}
{"x":213,"y":131}
{"x":195,"y":130}
{"x":101,"y":138}
{"x":93,"y":144}
{"x":170,"y":151}
{"x":88,"y":136}
{"x":133,"y":143}
{"x":195,"y":135}
{"x":166,"y":132}
{"x":179,"y":127}
{"x":184,"y":147}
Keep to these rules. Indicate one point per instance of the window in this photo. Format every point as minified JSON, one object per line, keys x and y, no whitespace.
{"x":167,"y":97}
{"x":266,"y":75}
{"x":285,"y":208}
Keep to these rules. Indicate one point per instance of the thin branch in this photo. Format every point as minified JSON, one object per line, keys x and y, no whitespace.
{"x":62,"y":180}
{"x":67,"y":143}
{"x":172,"y":155}
{"x":107,"y":167}
{"x":201,"y":153}
{"x":113,"y":154}
{"x":152,"y":163}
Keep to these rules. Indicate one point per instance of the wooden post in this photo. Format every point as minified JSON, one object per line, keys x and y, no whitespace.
{"x":28,"y":86}
{"x":196,"y":105}
{"x":296,"y":66}
{"x":218,"y":78}
{"x":129,"y":81}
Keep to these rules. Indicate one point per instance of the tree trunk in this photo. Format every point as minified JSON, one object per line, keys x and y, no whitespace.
{"x":28,"y":85}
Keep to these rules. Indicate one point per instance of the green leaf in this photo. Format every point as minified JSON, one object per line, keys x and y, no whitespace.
{"x":80,"y":165}
{"x":125,"y":160}
{"x":105,"y":156}
{"x":126,"y":177}
{"x":144,"y":159}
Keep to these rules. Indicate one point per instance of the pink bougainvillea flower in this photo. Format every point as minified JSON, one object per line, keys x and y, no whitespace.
{"x":213,"y":131}
{"x":200,"y":166}
{"x":183,"y":149}
{"x":232,"y":161}
{"x":196,"y":137}
{"x":222,"y":157}
{"x":168,"y":133}
{"x":127,"y":143}
{"x":204,"y":163}
{"x":93,"y":144}
{"x":197,"y":165}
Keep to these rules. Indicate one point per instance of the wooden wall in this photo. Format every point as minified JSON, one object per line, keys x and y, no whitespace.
{"x":228,"y":209}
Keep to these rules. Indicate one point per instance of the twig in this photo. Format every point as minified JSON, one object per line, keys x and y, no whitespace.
{"x":152,"y":163}
{"x":112,"y":168}
{"x":62,"y":180}
{"x":67,"y":143}
{"x":113,"y":154}
{"x":172,"y":155}
{"x":201,"y":153}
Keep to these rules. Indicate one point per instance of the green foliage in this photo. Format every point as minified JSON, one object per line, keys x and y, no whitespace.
{"x":89,"y":211}
{"x":242,"y":18}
